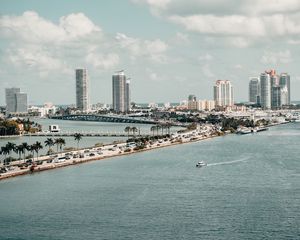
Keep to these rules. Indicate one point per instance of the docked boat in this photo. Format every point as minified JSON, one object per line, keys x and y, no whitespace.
{"x":261,"y":129}
{"x":244,"y":131}
{"x":200,"y":164}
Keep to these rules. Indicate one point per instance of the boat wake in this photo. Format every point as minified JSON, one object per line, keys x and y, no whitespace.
{"x":229,"y":162}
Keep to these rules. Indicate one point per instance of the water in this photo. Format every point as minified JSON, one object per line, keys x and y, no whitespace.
{"x":249,"y":190}
{"x":80,"y":126}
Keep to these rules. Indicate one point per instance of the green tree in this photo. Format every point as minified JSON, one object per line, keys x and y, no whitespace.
{"x":134,"y":130}
{"x":26,"y":148}
{"x":152,"y":129}
{"x":127,"y":130}
{"x":11,"y":147}
{"x":19,"y":150}
{"x":4,"y":151}
{"x":49,"y":143}
{"x":37,"y":147}
{"x":61,"y":142}
{"x":78,"y":137}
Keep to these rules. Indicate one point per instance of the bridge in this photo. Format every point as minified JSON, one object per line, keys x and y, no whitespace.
{"x":108,"y":118}
{"x":84,"y":134}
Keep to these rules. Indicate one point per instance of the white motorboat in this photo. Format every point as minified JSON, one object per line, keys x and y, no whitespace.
{"x":201,"y":164}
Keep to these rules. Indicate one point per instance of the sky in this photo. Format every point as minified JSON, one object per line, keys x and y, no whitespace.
{"x":169,"y":48}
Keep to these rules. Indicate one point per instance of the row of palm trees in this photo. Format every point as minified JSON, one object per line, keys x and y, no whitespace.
{"x":36,"y":147}
{"x":161,"y":127}
{"x":20,"y":149}
{"x":129,"y":129}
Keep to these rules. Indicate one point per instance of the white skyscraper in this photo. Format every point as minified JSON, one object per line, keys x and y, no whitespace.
{"x":284,"y":83}
{"x":265,"y":90}
{"x":121,"y":92}
{"x":82,"y":97}
{"x":223,"y":93}
{"x":254,"y":90}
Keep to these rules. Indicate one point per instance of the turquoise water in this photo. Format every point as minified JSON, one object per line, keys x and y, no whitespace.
{"x":249,"y":190}
{"x":80,"y":126}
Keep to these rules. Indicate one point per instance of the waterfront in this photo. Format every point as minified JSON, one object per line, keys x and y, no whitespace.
{"x":249,"y":192}
{"x":81,"y":126}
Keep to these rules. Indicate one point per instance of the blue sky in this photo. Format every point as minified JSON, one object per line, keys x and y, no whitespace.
{"x":169,"y":48}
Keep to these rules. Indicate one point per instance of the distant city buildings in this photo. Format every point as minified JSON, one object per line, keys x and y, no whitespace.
{"x":274,"y":90}
{"x":254,"y":90}
{"x":192,"y":103}
{"x":16,"y":101}
{"x":82,"y":96}
{"x":206,"y":105}
{"x":47,"y":110}
{"x":121,"y":92}
{"x":223,"y":93}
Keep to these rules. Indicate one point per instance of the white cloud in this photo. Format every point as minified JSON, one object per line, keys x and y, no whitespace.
{"x":273,"y":58}
{"x":30,"y":27}
{"x":99,"y":60}
{"x":247,"y":21}
{"x":152,"y":49}
{"x":35,"y":57}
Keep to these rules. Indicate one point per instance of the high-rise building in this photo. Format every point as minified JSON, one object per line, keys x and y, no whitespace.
{"x":121,"y":92}
{"x":192,"y":102}
{"x":254,"y":90}
{"x":21,"y":103}
{"x":276,"y":97}
{"x":284,"y":83}
{"x":16,"y":102}
{"x":82,"y":97}
{"x":223,"y":93}
{"x":265,"y":90}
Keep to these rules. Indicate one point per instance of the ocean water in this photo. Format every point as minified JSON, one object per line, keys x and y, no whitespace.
{"x":249,"y":190}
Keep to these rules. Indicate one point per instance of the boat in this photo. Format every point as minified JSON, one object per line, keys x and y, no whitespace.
{"x":261,"y":129}
{"x":244,"y":131}
{"x":200,"y":164}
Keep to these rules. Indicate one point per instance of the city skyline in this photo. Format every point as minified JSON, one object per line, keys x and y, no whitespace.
{"x":204,"y":42}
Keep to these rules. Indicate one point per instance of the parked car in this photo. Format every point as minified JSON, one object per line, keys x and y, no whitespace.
{"x":92,"y":154}
{"x":29,"y":161}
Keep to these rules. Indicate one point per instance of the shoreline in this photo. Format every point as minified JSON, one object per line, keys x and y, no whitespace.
{"x":77,"y":161}
{"x":111,"y":154}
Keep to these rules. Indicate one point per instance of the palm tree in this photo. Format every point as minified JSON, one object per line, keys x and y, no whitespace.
{"x":19,"y":150}
{"x":168,"y":126}
{"x":26,"y":147}
{"x":10,"y":147}
{"x":37,"y":147}
{"x":49,"y":143}
{"x":162,"y":126}
{"x":152,"y":129}
{"x":127,"y":129}
{"x":78,"y":137}
{"x":61,"y":142}
{"x":157,"y":128}
{"x":31,"y":150}
{"x":4,"y":151}
{"x":134,"y":130}
{"x":56,"y":142}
